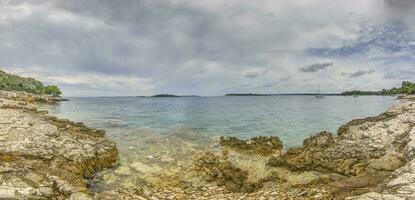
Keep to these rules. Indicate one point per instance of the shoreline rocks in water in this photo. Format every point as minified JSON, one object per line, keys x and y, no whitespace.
{"x":258,"y":145}
{"x":42,"y":157}
{"x":225,"y":173}
{"x":361,"y":159}
{"x":21,"y":96}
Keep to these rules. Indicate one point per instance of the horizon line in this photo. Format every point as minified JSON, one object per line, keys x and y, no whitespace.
{"x":224,"y":95}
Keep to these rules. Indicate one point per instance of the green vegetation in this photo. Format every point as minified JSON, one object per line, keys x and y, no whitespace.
{"x":406,"y":88}
{"x":53,"y":90}
{"x":11,"y":82}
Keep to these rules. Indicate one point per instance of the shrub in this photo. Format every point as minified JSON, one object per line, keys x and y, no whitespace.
{"x":11,"y":82}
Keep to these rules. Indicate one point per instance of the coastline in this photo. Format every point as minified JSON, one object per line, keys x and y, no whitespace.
{"x":371,"y":157}
{"x":43,"y":157}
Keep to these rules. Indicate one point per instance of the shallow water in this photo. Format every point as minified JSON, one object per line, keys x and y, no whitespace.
{"x":292,"y":118}
{"x":158,"y":137}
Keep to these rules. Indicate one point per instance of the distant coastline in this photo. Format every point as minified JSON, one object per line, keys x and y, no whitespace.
{"x":407,"y":87}
{"x":288,"y":94}
{"x":172,"y":95}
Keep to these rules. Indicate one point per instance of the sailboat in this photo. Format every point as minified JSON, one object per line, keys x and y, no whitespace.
{"x":319,"y":95}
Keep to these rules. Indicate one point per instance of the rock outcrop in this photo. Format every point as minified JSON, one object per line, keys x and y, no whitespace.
{"x":257,"y":146}
{"x":371,"y":157}
{"x":367,"y":151}
{"x":29,"y":97}
{"x":42,"y":157}
{"x":225,"y":174}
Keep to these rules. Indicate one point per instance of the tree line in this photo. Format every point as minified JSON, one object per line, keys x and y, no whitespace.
{"x":11,"y":82}
{"x":407,"y":87}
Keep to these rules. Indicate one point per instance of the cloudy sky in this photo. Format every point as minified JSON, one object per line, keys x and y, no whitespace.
{"x":209,"y":47}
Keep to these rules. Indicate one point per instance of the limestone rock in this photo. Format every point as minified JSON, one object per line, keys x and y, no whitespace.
{"x":225,"y":173}
{"x":258,"y":145}
{"x":45,"y":157}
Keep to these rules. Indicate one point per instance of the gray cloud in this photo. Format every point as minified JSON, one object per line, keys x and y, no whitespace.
{"x":360,"y":73}
{"x":142,"y":47}
{"x":252,"y":74}
{"x":392,"y":75}
{"x":316,"y":67}
{"x":398,"y":76}
{"x":255,"y":73}
{"x":400,"y":4}
{"x":276,"y":83}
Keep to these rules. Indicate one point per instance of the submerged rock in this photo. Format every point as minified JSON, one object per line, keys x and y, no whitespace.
{"x":258,"y":145}
{"x":224,"y":173}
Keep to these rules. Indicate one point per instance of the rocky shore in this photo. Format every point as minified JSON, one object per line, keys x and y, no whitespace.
{"x":369,"y":158}
{"x":20,"y":96}
{"x":43,"y":157}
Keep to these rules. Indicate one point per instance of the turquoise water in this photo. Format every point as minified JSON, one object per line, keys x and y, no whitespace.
{"x":292,"y":118}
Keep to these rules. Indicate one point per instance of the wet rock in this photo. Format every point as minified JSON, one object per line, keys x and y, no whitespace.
{"x":122,"y":170}
{"x":377,"y":196}
{"x":109,"y":178}
{"x":258,"y":145}
{"x":303,"y":179}
{"x":144,"y":168}
{"x":80,"y":196}
{"x":224,"y":173}
{"x":323,"y":139}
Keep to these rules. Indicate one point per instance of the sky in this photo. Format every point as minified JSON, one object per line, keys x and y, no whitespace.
{"x":209,"y":47}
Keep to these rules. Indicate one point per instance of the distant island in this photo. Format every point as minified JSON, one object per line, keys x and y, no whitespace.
{"x":171,"y":95}
{"x":288,"y":94}
{"x":406,"y":88}
{"x":248,"y":94}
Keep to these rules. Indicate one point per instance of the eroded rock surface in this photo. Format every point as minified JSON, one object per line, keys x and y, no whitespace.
{"x":225,"y":173}
{"x":258,"y":145}
{"x":29,"y":97}
{"x":367,"y":151}
{"x":42,"y":157}
{"x":370,"y":157}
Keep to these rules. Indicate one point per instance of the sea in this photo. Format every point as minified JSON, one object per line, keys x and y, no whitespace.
{"x":290,"y":117}
{"x":157,"y":138}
